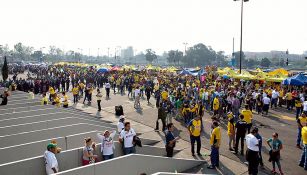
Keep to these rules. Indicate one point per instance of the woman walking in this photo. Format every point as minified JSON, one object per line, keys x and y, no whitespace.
{"x":275,"y":146}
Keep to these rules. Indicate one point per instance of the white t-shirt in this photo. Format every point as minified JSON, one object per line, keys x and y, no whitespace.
{"x":50,"y":162}
{"x":120,"y":127}
{"x":252,"y":142}
{"x":137,"y":92}
{"x":266,"y":100}
{"x":107,"y":144}
{"x":128,"y":137}
{"x":108,"y":86}
{"x":305,"y":106}
{"x":275,"y":94}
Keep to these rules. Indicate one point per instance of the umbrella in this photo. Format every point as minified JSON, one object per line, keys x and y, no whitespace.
{"x":102,"y":70}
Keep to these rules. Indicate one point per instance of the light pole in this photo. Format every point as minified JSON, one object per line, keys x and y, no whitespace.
{"x":185,"y":48}
{"x":241,"y":32}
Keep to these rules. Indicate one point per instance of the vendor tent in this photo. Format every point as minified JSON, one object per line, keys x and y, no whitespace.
{"x":296,"y":80}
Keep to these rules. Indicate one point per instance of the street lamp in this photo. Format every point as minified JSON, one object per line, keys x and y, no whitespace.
{"x":241,"y":31}
{"x":185,"y":47}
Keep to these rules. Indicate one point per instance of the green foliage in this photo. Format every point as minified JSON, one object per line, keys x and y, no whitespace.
{"x":150,"y":55}
{"x":5,"y":70}
{"x":265,"y":62}
{"x":174,"y":56}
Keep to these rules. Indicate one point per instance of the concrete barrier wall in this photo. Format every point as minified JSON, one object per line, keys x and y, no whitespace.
{"x":39,"y":116}
{"x":12,"y":109}
{"x":136,"y":164}
{"x":32,"y":149}
{"x":67,"y":160}
{"x":21,"y":138}
{"x":66,"y":119}
{"x":39,"y":111}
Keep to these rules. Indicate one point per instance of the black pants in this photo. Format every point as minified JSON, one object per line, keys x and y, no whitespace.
{"x":197,"y":139}
{"x":249,"y":126}
{"x":99,"y":106}
{"x":169,"y":151}
{"x":75,"y":98}
{"x":163,"y":124}
{"x":108,"y":92}
{"x":239,"y":138}
{"x":253,"y":161}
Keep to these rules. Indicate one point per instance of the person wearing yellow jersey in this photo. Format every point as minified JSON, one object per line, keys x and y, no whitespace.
{"x":301,"y":122}
{"x":81,"y":88}
{"x":303,"y":161}
{"x":248,"y":116}
{"x":215,"y":142}
{"x":164,"y":95}
{"x":65,"y":100}
{"x":280,"y":98}
{"x":216,"y":106}
{"x":52,"y":93}
{"x":231,"y":133}
{"x":75,"y":92}
{"x":57,"y":101}
{"x":195,"y":129}
{"x":44,"y":99}
{"x":289,"y":100}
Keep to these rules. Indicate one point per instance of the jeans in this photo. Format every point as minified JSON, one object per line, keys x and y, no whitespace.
{"x":214,"y":157}
{"x":299,"y":136}
{"x":253,"y":162}
{"x":107,"y":157}
{"x":197,"y":139}
{"x":239,"y":138}
{"x":99,"y":106}
{"x":130,"y":150}
{"x":75,"y":98}
{"x":298,"y":111}
{"x":169,"y":151}
{"x":274,"y":102}
{"x":303,"y":161}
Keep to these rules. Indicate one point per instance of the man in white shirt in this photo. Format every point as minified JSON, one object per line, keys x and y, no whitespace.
{"x":51,"y":162}
{"x":120,"y":124}
{"x":108,"y":87}
{"x":275,"y":95}
{"x":126,"y":138}
{"x":107,"y":144}
{"x":266,"y":104}
{"x":252,"y":153}
{"x":305,"y":106}
{"x":137,"y":92}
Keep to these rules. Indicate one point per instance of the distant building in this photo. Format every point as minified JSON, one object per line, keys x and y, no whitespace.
{"x":127,"y":53}
{"x":272,"y":55}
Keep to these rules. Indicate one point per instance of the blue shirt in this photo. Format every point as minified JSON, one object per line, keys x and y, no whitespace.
{"x":169,"y":137}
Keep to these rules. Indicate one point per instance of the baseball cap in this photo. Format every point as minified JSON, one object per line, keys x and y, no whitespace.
{"x":51,"y":145}
{"x":121,"y":117}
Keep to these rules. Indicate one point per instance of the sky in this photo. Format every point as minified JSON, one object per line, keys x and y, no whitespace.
{"x":161,"y":25}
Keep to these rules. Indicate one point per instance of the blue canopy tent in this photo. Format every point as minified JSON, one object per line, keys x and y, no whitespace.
{"x":102,"y":70}
{"x":185,"y":72}
{"x":296,"y":80}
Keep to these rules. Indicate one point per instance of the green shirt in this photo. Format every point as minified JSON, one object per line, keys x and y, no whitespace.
{"x":276,"y":144}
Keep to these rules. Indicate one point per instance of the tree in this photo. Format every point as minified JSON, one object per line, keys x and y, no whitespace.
{"x":265,"y":62}
{"x":150,"y":55}
{"x":5,"y":70}
{"x":174,"y":56}
{"x":237,"y":59}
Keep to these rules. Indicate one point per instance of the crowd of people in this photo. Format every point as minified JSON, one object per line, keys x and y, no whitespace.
{"x":184,"y":98}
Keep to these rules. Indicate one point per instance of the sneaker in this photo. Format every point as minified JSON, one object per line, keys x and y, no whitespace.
{"x":273,"y":172}
{"x":211,"y":167}
{"x":231,"y":149}
{"x":199,"y":154}
{"x":299,"y":146}
{"x":193,"y":154}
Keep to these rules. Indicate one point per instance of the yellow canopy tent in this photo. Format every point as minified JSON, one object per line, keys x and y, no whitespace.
{"x":280,"y":71}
